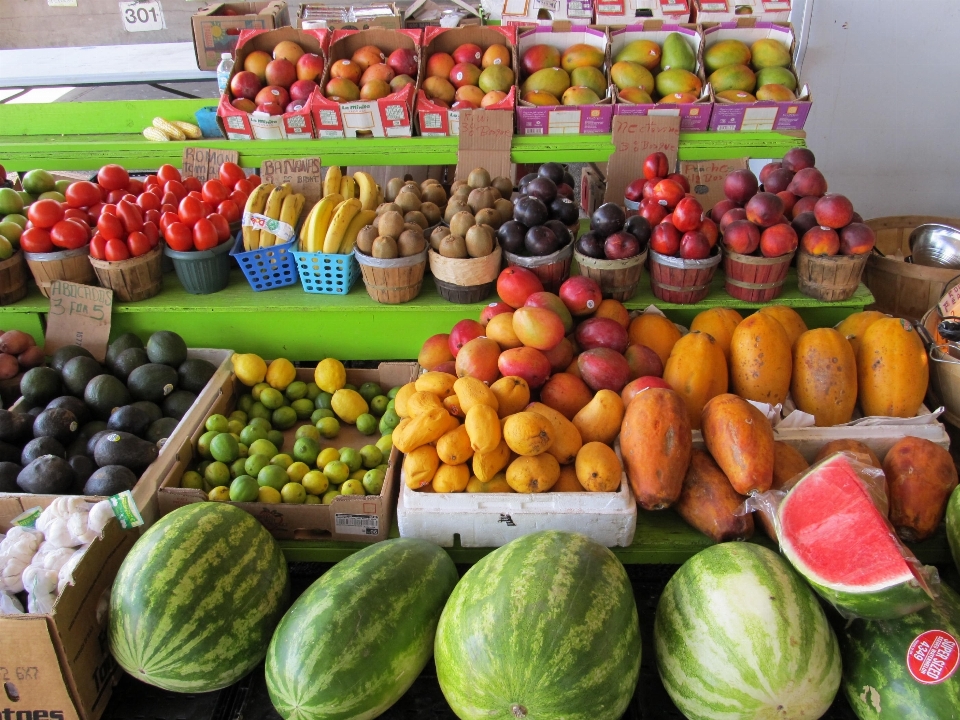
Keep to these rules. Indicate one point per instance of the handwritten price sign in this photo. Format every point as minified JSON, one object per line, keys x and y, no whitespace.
{"x":635,"y":137}
{"x":79,"y":315}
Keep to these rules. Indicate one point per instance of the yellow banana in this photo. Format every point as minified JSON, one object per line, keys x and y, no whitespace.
{"x":331,"y":183}
{"x":360,"y":220}
{"x":272,"y":211}
{"x":306,"y":228}
{"x":256,"y":203}
{"x":325,"y":211}
{"x":290,"y":210}
{"x":339,"y":224}
{"x":367,"y":190}
{"x":379,"y":196}
{"x":348,"y":187}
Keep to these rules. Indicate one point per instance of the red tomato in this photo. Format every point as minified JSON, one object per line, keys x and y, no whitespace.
{"x":103,"y":193}
{"x":239,"y":198}
{"x":176,"y":187}
{"x":229,"y":210}
{"x":110,"y":209}
{"x":150,"y":181}
{"x":207,"y":208}
{"x":230,"y":174}
{"x":167,"y":219}
{"x":166,"y":173}
{"x":192,"y":184}
{"x":148,"y":201}
{"x":81,"y":223}
{"x":45,"y":213}
{"x":254,"y":180}
{"x":205,"y":235}
{"x":195,"y":194}
{"x":94,"y":212}
{"x":115,"y":196}
{"x":36,"y":240}
{"x":76,"y":213}
{"x":190,"y":210}
{"x":221,"y":225}
{"x":69,"y":235}
{"x":98,"y":246}
{"x":152,"y":216}
{"x":139,"y":244}
{"x":155,"y":190}
{"x":113,"y":177}
{"x":82,"y":194}
{"x":130,"y":216}
{"x":153,"y":235}
{"x":110,"y":227}
{"x":179,"y":236}
{"x":116,"y":250}
{"x":169,"y":208}
{"x":214,"y":192}
{"x":169,"y":198}
{"x":244,"y":186}
{"x":135,"y":186}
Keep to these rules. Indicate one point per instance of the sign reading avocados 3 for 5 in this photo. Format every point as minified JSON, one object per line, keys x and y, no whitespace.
{"x":79,"y":315}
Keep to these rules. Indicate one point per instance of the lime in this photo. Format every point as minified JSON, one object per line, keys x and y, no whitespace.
{"x":327,"y":455}
{"x":238,"y":415}
{"x":351,"y":457}
{"x":6,"y":248}
{"x":36,"y":182}
{"x":349,"y":386}
{"x":218,"y":423}
{"x":262,"y":423}
{"x":369,"y":390}
{"x":52,"y":195}
{"x":383,"y":468}
{"x":302,"y":407}
{"x":252,"y":433}
{"x":244,"y":489}
{"x":271,"y":398}
{"x":225,"y":448}
{"x":306,"y":450}
{"x":311,"y":500}
{"x":308,"y":431}
{"x":284,"y":418}
{"x":358,"y":474}
{"x":312,"y":391}
{"x":217,"y":474}
{"x":272,"y":476}
{"x":258,"y":411}
{"x":385,"y":444}
{"x":10,"y":230}
{"x":367,"y":424}
{"x":297,"y":471}
{"x":62,"y":185}
{"x":26,"y":197}
{"x":373,"y":482}
{"x":352,"y":487}
{"x":329,"y":427}
{"x":238,"y":468}
{"x":263,"y":447}
{"x":244,"y":403}
{"x":276,"y":437}
{"x":244,"y":450}
{"x":268,"y":495}
{"x":202,"y":467}
{"x":234,"y":427}
{"x":319,"y":414}
{"x":329,"y":496}
{"x":20,"y":220}
{"x":323,"y":400}
{"x":10,"y":202}
{"x":219,"y":494}
{"x":293,"y":493}
{"x":389,"y":421}
{"x":378,"y":405}
{"x":192,"y":479}
{"x":283,"y":460}
{"x":255,"y":463}
{"x":259,"y":388}
{"x":337,"y":472}
{"x":315,"y":482}
{"x":371,"y":456}
{"x":203,"y":444}
{"x":392,"y":392}
{"x":391,"y":405}
{"x":296,"y":390}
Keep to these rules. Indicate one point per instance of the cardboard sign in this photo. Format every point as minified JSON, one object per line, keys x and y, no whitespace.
{"x":303,"y":174}
{"x":204,"y":163}
{"x":79,"y":315}
{"x":485,"y":141}
{"x":635,"y":137}
{"x":706,"y":178}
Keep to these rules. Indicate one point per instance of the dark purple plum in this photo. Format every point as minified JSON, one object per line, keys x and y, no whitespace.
{"x":561,"y":231}
{"x":552,"y":170}
{"x":566,"y":191}
{"x":525,"y":180}
{"x":591,"y":245}
{"x":530,"y":211}
{"x":639,"y":227}
{"x":568,"y":179}
{"x":607,"y":219}
{"x":564,"y":210}
{"x":543,"y":188}
{"x":541,"y":240}
{"x":510,"y":235}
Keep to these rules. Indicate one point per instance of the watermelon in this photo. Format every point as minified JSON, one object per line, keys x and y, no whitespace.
{"x":196,"y":601}
{"x":953,"y":526}
{"x":544,"y":627}
{"x":354,"y":642}
{"x":833,"y":534}
{"x":739,"y":636}
{"x":907,"y":667}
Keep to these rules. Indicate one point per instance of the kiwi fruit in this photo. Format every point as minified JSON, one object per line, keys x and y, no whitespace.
{"x":478,"y":178}
{"x":417,"y":217}
{"x":438,"y":234}
{"x":434,"y":194}
{"x":479,"y":241}
{"x":390,"y":224}
{"x":392,"y":188}
{"x":461,"y":222}
{"x":365,"y":238}
{"x":503,"y":185}
{"x":409,"y":243}
{"x":431,"y":212}
{"x":456,"y":186}
{"x":463,"y":192}
{"x":411,"y":186}
{"x":505,"y":208}
{"x":453,"y":207}
{"x":388,"y":207}
{"x":384,"y":248}
{"x":490,"y":217}
{"x":453,"y":246}
{"x":481,"y":198}
{"x":408,"y":201}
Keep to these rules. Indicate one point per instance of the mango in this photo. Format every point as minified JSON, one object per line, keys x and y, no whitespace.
{"x":680,"y":98}
{"x":643,"y":52}
{"x":630,"y":74}
{"x":737,"y":96}
{"x":733,"y":77}
{"x":581,"y":55}
{"x":539,"y":97}
{"x":777,"y":76}
{"x":533,"y":474}
{"x":579,"y":96}
{"x":598,"y":468}
{"x":636,"y":96}
{"x":592,"y":78}
{"x":724,"y":53}
{"x":539,"y":57}
{"x":678,"y":54}
{"x":552,"y":80}
{"x":776,"y":93}
{"x":768,"y":53}
{"x":676,"y":80}
{"x":496,"y":78}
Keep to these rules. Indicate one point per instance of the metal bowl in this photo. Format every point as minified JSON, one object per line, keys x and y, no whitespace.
{"x":935,"y":245}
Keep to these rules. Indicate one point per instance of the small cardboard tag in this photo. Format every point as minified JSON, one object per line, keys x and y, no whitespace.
{"x":635,"y":137}
{"x":485,"y":141}
{"x":28,"y":518}
{"x":204,"y":163}
{"x":126,"y":510}
{"x":706,"y":178}
{"x":79,"y":315}
{"x":304,"y":175}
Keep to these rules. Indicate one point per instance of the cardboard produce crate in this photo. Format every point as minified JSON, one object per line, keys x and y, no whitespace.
{"x":628,"y":12}
{"x":215,"y":33}
{"x":349,"y":17}
{"x":443,"y":13}
{"x":544,"y":12}
{"x":352,"y":518}
{"x":723,"y":10}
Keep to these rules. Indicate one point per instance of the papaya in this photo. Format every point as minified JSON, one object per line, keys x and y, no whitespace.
{"x":761,"y":362}
{"x":792,"y":323}
{"x":420,"y":402}
{"x":438,"y":383}
{"x":483,"y":428}
{"x":487,"y":465}
{"x":566,"y":442}
{"x":471,"y":391}
{"x":422,"y":429}
{"x":656,"y":442}
{"x":709,"y":503}
{"x":697,"y":370}
{"x":719,"y":322}
{"x":824,"y":382}
{"x":419,"y":466}
{"x":852,"y":446}
{"x":921,"y":476}
{"x":740,"y":439}
{"x":854,"y":326}
{"x":892,"y":372}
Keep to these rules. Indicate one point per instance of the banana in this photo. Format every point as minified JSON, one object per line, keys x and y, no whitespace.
{"x":361,"y":220}
{"x":339,"y":224}
{"x":272,"y":211}
{"x":348,"y":187}
{"x":290,"y":210}
{"x":307,"y":228}
{"x":325,"y":211}
{"x":331,"y":183}
{"x":256,"y":202}
{"x":368,"y":191}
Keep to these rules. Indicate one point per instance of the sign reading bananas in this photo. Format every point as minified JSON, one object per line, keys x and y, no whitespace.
{"x":302,"y":174}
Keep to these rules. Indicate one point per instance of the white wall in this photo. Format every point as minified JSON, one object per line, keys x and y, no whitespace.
{"x":885,"y":123}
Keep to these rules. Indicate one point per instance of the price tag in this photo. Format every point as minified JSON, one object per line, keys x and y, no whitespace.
{"x":144,"y":16}
{"x":79,"y":315}
{"x":485,"y":141}
{"x":204,"y":163}
{"x":303,"y":174}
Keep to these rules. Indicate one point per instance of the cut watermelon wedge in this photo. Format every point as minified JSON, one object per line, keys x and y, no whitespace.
{"x":833,"y":534}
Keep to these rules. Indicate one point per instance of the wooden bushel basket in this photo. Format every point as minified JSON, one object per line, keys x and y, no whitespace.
{"x":13,"y":279}
{"x":465,"y":280}
{"x":618,"y":279}
{"x":395,"y":281}
{"x":830,"y":278}
{"x":676,"y":280}
{"x":755,"y":279}
{"x":70,"y":265}
{"x":552,"y":269}
{"x":131,"y":280}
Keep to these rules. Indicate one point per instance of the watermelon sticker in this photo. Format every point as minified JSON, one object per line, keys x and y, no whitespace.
{"x":933,"y":657}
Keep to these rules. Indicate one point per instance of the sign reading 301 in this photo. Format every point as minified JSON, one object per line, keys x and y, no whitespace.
{"x":142,"y":16}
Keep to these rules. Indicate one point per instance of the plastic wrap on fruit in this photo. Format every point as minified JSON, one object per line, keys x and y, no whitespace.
{"x":65,"y":576}
{"x":41,"y":577}
{"x":16,"y":551}
{"x":9,"y":605}
{"x":65,"y":522}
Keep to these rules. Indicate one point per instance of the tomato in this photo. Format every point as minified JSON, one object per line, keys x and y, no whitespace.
{"x":229,"y":210}
{"x":36,"y":240}
{"x":76,"y":213}
{"x":179,"y":236}
{"x":69,"y":235}
{"x":150,"y":181}
{"x":82,"y":194}
{"x":169,"y":208}
{"x":190,"y":210}
{"x":148,"y":201}
{"x":205,"y":235}
{"x":115,"y":196}
{"x":135,"y":186}
{"x":166,"y":173}
{"x":239,"y":198}
{"x":153,"y":235}
{"x":139,"y":244}
{"x":176,"y":187}
{"x":130,"y":216}
{"x":221,"y":225}
{"x":103,"y":193}
{"x":167,"y":219}
{"x":152,"y":216}
{"x":192,"y":184}
{"x":116,"y":250}
{"x":110,"y":227}
{"x":170,"y":198}
{"x":45,"y":213}
{"x":195,"y":194}
{"x":110,"y":209}
{"x":207,"y":208}
{"x":82,"y":224}
{"x":98,"y":245}
{"x":243,"y":186}
{"x":230,"y":174}
{"x":155,"y":190}
{"x":214,"y":192}
{"x":254,"y":180}
{"x":94,"y":212}
{"x":113,"y":177}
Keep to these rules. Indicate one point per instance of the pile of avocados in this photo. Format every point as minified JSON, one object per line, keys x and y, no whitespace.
{"x":83,"y":428}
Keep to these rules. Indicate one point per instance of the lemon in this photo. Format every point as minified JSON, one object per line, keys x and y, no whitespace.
{"x":281,"y":373}
{"x":371,"y":456}
{"x":311,"y":500}
{"x":330,"y":375}
{"x":352,"y":487}
{"x":328,"y":427}
{"x":373,"y":482}
{"x":327,"y":455}
{"x":349,"y":405}
{"x":293,"y":493}
{"x":297,"y":471}
{"x":283,"y":460}
{"x":268,"y":495}
{"x":315,"y":482}
{"x":257,"y":389}
{"x":219,"y":494}
{"x":244,"y":489}
{"x":255,"y":463}
{"x":271,"y":399}
{"x":250,"y":369}
{"x":337,"y":472}
{"x":329,"y":496}
{"x":217,"y":423}
{"x":192,"y":480}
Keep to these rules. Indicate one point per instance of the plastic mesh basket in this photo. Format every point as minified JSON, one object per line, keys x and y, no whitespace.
{"x":327,"y":273}
{"x":267,"y":268}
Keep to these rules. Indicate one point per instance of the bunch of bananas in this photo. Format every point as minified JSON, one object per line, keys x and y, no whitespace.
{"x":277,"y":203}
{"x":165,"y":130}
{"x":348,"y":204}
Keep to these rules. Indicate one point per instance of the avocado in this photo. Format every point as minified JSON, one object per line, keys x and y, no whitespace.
{"x":8,"y":476}
{"x":129,"y":418}
{"x":110,"y":480}
{"x":47,"y":475}
{"x":33,"y":412}
{"x":39,"y":447}
{"x":57,"y":423}
{"x":128,"y":361}
{"x":65,"y":354}
{"x":9,"y":453}
{"x":167,"y":348}
{"x":77,"y":447}
{"x":152,"y":382}
{"x":104,"y":393}
{"x":83,"y":468}
{"x":94,"y":439}
{"x":121,"y":448}
{"x":78,"y":373}
{"x":15,"y":427}
{"x":161,"y":429}
{"x":195,"y":374}
{"x":152,"y":410}
{"x":92,"y":428}
{"x":73,"y":404}
{"x":40,"y":385}
{"x":177,"y":403}
{"x":124,"y":342}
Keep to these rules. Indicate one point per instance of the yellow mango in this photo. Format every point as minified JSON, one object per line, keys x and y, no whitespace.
{"x":451,"y":478}
{"x":438,"y":383}
{"x":420,"y":402}
{"x":483,"y":427}
{"x":598,"y":468}
{"x":566,"y":442}
{"x":419,"y":466}
{"x":421,"y":429}
{"x":486,"y":465}
{"x":403,"y":395}
{"x":454,"y":447}
{"x":512,"y":393}
{"x":599,"y":420}
{"x":533,"y":473}
{"x":529,"y":433}
{"x":471,"y":391}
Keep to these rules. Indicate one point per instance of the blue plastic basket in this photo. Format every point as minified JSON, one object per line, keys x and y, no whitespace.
{"x":268,"y":268}
{"x":327,"y":273}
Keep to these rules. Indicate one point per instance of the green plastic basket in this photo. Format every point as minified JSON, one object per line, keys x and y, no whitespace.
{"x":202,"y":272}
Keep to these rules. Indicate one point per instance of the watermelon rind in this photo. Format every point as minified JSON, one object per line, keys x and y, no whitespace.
{"x":545,"y":628}
{"x":738,"y":635}
{"x":197,"y":599}
{"x":355,"y":641}
{"x":876,"y":680}
{"x":953,"y":526}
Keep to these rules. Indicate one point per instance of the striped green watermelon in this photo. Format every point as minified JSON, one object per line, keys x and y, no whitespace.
{"x":833,"y":534}
{"x":545,"y":627}
{"x":354,"y":642}
{"x":905,"y":669}
{"x":740,"y":636}
{"x":953,"y":526}
{"x":197,"y":599}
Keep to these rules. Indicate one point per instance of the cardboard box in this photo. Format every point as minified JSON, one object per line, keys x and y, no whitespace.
{"x":349,"y":17}
{"x":762,"y":115}
{"x":566,"y":119}
{"x":349,"y":518}
{"x":391,"y":116}
{"x":693,"y":116}
{"x":423,"y":14}
{"x":628,"y":12}
{"x":706,"y":178}
{"x":436,"y":121}
{"x":298,"y":125}
{"x":58,"y":665}
{"x":215,"y":33}
{"x":545,"y":12}
{"x":725,"y":10}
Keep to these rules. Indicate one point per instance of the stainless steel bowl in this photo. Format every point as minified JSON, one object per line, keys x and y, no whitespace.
{"x":935,"y":245}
